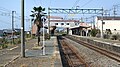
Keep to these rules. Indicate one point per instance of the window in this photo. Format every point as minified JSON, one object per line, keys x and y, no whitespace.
{"x":62,"y":23}
{"x":67,"y":24}
{"x":75,"y":23}
{"x":108,"y":30}
{"x":56,"y":23}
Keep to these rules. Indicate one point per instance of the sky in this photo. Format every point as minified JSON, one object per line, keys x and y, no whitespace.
{"x":7,"y":6}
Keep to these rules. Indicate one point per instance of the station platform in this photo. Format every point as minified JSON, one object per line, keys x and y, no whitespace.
{"x":101,"y":40}
{"x":35,"y":58}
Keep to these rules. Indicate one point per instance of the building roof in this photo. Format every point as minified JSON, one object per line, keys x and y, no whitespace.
{"x":54,"y":17}
{"x":7,"y":30}
{"x":18,"y":30}
{"x":64,"y":20}
{"x":108,"y":17}
{"x":81,"y":25}
{"x":84,"y":25}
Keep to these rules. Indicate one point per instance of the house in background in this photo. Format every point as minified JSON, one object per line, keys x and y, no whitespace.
{"x":1,"y":32}
{"x":34,"y":29}
{"x":56,"y":22}
{"x":60,"y":24}
{"x":7,"y":31}
{"x":110,"y":23}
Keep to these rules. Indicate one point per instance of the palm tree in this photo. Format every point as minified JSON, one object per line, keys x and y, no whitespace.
{"x":37,"y":15}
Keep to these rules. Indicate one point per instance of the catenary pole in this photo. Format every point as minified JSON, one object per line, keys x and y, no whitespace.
{"x":49,"y":22}
{"x":22,"y":30}
{"x":13,"y":27}
{"x":102,"y":24}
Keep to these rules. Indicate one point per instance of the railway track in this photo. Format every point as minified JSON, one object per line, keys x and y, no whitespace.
{"x":105,"y":52}
{"x":71,"y":56}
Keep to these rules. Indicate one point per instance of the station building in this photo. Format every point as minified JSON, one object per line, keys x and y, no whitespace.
{"x":82,"y":29}
{"x":109,"y":23}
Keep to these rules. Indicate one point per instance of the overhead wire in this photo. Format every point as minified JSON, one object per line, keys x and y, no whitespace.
{"x":76,"y":3}
{"x":40,"y":2}
{"x":86,"y":3}
{"x":6,"y":13}
{"x":50,"y":3}
{"x":35,"y":2}
{"x":106,"y":12}
{"x":5,"y":10}
{"x":5,"y":21}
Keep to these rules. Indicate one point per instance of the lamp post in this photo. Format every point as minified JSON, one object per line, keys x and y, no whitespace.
{"x":43,"y":46}
{"x":43,"y":37}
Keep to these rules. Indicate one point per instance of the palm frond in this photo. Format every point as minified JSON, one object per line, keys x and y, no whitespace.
{"x":32,"y":19}
{"x":32,"y":11}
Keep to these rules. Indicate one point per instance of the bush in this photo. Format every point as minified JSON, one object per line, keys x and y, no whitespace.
{"x":94,"y":32}
{"x":115,"y":37}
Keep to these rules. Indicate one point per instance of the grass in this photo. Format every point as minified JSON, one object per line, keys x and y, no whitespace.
{"x":23,"y":65}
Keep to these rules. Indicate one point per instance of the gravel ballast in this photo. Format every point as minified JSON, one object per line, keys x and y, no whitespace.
{"x":93,"y":58}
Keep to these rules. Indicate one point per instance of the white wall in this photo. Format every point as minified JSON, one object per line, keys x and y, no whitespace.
{"x":71,"y":24}
{"x":109,"y":24}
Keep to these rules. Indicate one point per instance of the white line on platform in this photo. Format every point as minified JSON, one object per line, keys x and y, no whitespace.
{"x":26,"y":50}
{"x":14,"y":58}
{"x":13,"y":48}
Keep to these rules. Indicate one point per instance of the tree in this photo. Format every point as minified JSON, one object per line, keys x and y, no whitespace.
{"x":37,"y":19}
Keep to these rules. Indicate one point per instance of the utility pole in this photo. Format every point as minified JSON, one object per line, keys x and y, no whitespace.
{"x":114,"y":11}
{"x":13,"y":27}
{"x":93,"y":22}
{"x":49,"y":22}
{"x":102,"y":24}
{"x":22,"y":30}
{"x":31,"y":28}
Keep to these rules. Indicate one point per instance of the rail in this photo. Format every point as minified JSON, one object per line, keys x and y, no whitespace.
{"x":105,"y":52}
{"x":72,"y":55}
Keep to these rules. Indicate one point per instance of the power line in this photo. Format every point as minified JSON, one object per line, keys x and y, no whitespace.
{"x":41,"y":2}
{"x":107,"y":12}
{"x":86,"y":3}
{"x":35,"y":2}
{"x":50,"y":3}
{"x":4,"y":9}
{"x":76,"y":2}
{"x":5,"y":22}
